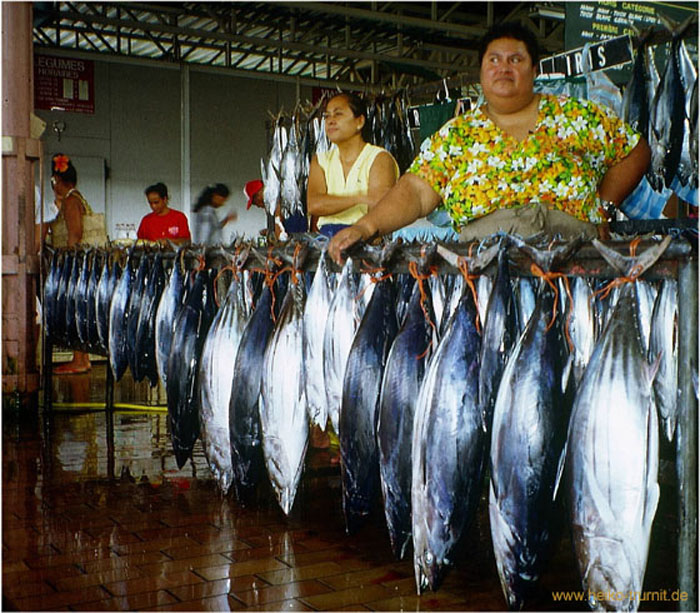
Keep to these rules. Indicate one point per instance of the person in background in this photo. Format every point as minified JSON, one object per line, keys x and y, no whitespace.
{"x":164,"y":224}
{"x":253,"y":191}
{"x":67,"y":231}
{"x":352,"y":176}
{"x":206,"y":226}
{"x":521,"y":163}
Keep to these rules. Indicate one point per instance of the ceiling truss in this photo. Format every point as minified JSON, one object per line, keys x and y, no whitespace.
{"x":361,"y":44}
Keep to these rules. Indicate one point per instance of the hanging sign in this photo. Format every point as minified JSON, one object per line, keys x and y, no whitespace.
{"x":592,"y":21}
{"x":64,"y":84}
{"x":604,"y":54}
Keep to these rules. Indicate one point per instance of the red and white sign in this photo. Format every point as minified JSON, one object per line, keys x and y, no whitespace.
{"x":64,"y":84}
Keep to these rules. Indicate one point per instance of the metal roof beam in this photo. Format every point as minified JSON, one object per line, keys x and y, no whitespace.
{"x":416,"y":22}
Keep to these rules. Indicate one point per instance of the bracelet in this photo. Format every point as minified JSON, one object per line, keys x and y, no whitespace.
{"x":609,"y":208}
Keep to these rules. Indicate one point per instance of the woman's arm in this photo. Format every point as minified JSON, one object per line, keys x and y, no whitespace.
{"x":382,"y":177}
{"x":318,"y":201}
{"x":411,"y":198}
{"x":621,"y":179}
{"x":73,"y":214}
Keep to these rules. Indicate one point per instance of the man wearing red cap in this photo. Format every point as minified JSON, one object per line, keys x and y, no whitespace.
{"x":253,"y":190}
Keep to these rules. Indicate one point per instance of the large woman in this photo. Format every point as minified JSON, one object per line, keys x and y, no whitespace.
{"x":67,"y":231}
{"x":522,"y":162}
{"x":353,"y":175}
{"x":163,"y":224}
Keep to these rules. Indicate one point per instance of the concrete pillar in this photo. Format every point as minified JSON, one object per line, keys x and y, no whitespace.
{"x":19,"y":153}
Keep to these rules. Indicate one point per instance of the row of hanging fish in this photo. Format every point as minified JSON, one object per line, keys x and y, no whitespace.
{"x":663,"y":106}
{"x":431,"y":383}
{"x":296,"y":138}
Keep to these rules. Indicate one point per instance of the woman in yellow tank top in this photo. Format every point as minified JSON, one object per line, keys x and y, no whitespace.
{"x":349,"y":179}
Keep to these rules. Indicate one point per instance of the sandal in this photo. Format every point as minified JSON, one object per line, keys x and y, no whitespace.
{"x":69,"y":369}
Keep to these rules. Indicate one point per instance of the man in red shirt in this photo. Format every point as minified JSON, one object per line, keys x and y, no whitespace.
{"x":164,"y":224}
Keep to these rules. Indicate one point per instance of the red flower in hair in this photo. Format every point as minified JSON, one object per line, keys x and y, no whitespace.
{"x":60,"y":163}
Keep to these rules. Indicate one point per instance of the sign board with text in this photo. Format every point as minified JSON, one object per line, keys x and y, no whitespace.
{"x":64,"y":84}
{"x":602,"y":55}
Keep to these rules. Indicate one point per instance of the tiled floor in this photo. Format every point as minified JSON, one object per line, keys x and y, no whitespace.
{"x":96,"y":516}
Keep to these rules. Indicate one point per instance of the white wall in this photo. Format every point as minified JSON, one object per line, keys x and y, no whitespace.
{"x":137,"y":127}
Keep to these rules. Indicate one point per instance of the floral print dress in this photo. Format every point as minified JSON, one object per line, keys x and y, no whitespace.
{"x":477,"y":168}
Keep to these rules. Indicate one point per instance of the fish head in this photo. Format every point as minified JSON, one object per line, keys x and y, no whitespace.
{"x":611,"y":574}
{"x":429,"y":570}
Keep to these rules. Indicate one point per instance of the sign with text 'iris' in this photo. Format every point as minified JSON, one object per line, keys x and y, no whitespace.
{"x":601,"y":55}
{"x":64,"y":84}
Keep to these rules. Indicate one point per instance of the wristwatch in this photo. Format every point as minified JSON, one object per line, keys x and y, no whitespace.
{"x":609,"y":209}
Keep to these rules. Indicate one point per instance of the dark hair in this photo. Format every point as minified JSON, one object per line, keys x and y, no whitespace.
{"x":158,"y":188}
{"x":204,"y":198}
{"x":62,"y":167}
{"x":358,"y":107}
{"x":514,"y":31}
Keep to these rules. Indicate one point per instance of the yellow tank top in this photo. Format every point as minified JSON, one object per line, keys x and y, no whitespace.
{"x":357,"y":181}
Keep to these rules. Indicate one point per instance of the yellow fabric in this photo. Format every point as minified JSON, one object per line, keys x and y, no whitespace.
{"x":94,"y":232}
{"x":357,"y":181}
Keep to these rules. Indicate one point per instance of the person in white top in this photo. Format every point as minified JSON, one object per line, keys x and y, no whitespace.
{"x":349,"y":179}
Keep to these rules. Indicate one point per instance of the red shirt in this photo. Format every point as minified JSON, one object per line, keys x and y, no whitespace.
{"x":171,"y":225}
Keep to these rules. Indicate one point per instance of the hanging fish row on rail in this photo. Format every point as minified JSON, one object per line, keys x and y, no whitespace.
{"x":430,"y":381}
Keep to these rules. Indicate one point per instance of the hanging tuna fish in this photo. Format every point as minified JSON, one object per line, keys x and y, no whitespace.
{"x":668,"y":118}
{"x":133,"y":314}
{"x":52,"y":285}
{"x":499,"y":336}
{"x":118,"y":359}
{"x":111,"y":271}
{"x":216,"y":372}
{"x":406,"y":364}
{"x":528,"y":433}
{"x":283,"y":420}
{"x":357,"y":429}
{"x":290,"y":180}
{"x":663,"y":345}
{"x":145,"y":344}
{"x":448,"y":446}
{"x":244,"y":415}
{"x":168,"y":308}
{"x":341,"y":323}
{"x":189,"y":332}
{"x":612,"y":452}
{"x":315,"y":315}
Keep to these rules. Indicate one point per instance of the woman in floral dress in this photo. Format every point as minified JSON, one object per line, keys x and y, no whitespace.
{"x":520,"y":163}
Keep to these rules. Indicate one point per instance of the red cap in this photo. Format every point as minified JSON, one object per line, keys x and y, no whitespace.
{"x":251,"y":188}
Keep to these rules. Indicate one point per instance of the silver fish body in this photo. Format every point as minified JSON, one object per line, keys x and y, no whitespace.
{"x":500,"y":332}
{"x":168,"y":306}
{"x":244,"y":414}
{"x":582,"y":322}
{"x":341,"y":324}
{"x":448,"y":448}
{"x":216,"y":371}
{"x":315,"y":316}
{"x":612,"y":462}
{"x":283,"y":420}
{"x":406,"y":364}
{"x":663,"y":345}
{"x":362,"y":381}
{"x":118,"y":359}
{"x":527,"y":437}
